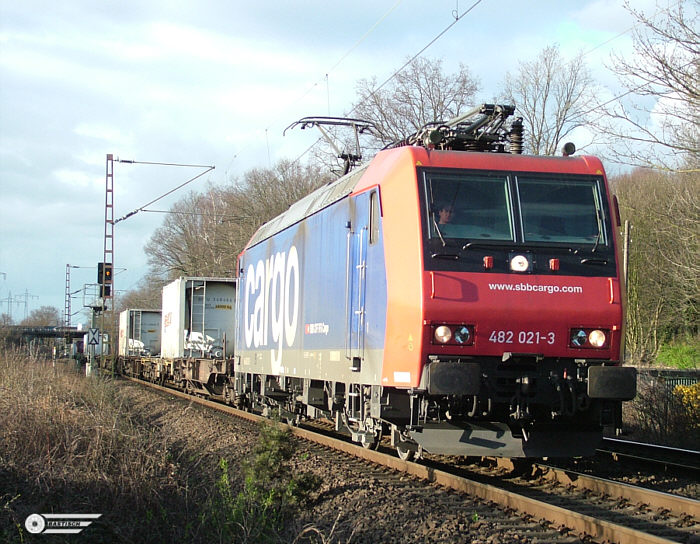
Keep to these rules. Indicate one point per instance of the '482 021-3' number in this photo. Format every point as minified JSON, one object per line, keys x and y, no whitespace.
{"x":522,"y":337}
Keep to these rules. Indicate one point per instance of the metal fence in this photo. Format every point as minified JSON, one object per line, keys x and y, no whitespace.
{"x":669,"y":376}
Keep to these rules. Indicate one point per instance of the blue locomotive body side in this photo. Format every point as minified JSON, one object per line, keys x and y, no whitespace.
{"x":312,"y":298}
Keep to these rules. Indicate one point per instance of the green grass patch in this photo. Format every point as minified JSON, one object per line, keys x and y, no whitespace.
{"x":682,"y":355}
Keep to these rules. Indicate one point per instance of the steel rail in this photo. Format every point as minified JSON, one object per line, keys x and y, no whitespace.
{"x":558,"y":516}
{"x":652,"y":453}
{"x":638,"y":495}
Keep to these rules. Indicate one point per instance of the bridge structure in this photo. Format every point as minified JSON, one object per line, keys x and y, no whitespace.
{"x":19,"y":331}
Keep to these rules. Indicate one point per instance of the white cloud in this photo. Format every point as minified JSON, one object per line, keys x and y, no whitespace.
{"x":78,"y":178}
{"x":107,"y":133}
{"x":211,"y":83}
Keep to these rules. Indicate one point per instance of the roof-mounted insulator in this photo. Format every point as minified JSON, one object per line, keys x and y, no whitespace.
{"x":483,"y":128}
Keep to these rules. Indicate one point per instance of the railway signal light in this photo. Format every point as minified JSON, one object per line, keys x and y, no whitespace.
{"x":104,"y":273}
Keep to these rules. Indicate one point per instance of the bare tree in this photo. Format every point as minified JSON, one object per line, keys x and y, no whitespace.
{"x":43,"y":317}
{"x":174,"y":248}
{"x":265,"y":193}
{"x":553,"y":96}
{"x":419,"y":94}
{"x":664,"y":275}
{"x":657,"y":121}
{"x":146,"y":296}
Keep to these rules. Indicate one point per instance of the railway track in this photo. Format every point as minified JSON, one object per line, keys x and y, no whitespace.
{"x":653,"y":454}
{"x":574,"y":505}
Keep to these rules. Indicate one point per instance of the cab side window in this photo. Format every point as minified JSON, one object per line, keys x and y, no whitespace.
{"x":374,"y":214}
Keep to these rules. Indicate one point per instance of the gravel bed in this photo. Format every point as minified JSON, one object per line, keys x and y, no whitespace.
{"x":354,"y":503}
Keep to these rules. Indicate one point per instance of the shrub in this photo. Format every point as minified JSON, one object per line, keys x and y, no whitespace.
{"x":689,"y":396}
{"x":270,"y":493}
{"x":663,"y":414}
{"x":71,"y":444}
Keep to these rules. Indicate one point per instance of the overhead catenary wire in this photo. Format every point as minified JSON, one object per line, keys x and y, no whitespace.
{"x":419,"y":53}
{"x":137,"y":210}
{"x":397,"y":72}
{"x":637,"y":88}
{"x":327,"y":72}
{"x":457,"y":18}
{"x":127,"y":161}
{"x":626,"y":31}
{"x":201,"y":214}
{"x":647,"y":84}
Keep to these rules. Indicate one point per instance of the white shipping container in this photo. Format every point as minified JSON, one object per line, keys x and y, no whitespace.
{"x":139,"y":332}
{"x":199,"y":317}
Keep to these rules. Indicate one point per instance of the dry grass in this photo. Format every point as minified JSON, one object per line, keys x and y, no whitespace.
{"x":71,"y":445}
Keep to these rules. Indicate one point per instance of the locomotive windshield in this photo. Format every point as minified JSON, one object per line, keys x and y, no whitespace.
{"x":518,"y":208}
{"x":475,"y":207}
{"x":567,"y":211}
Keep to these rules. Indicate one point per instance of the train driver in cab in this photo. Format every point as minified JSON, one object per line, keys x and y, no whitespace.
{"x":444,"y":217}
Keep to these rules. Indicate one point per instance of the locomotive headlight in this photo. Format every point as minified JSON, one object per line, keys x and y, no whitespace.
{"x":462,"y":335}
{"x":597,"y":338}
{"x":588,"y":338}
{"x":519,"y":263}
{"x":578,"y":338}
{"x":443,"y":334}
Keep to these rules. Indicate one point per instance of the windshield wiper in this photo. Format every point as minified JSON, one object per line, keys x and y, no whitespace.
{"x":598,"y":238}
{"x":601,"y":262}
{"x":487,"y":245}
{"x":553,"y":248}
{"x":451,"y":256}
{"x":437,"y":229}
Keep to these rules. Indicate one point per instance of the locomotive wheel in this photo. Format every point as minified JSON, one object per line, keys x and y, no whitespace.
{"x":404,"y":453}
{"x":228,"y":395}
{"x":357,"y":427}
{"x":374,"y":445}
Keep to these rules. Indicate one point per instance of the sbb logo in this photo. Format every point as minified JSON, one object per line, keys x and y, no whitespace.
{"x":271,"y":303}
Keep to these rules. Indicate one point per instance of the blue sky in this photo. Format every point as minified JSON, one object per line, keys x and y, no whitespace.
{"x":213,"y":83}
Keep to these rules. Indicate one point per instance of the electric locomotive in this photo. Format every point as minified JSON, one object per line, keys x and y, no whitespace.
{"x":460,"y":296}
